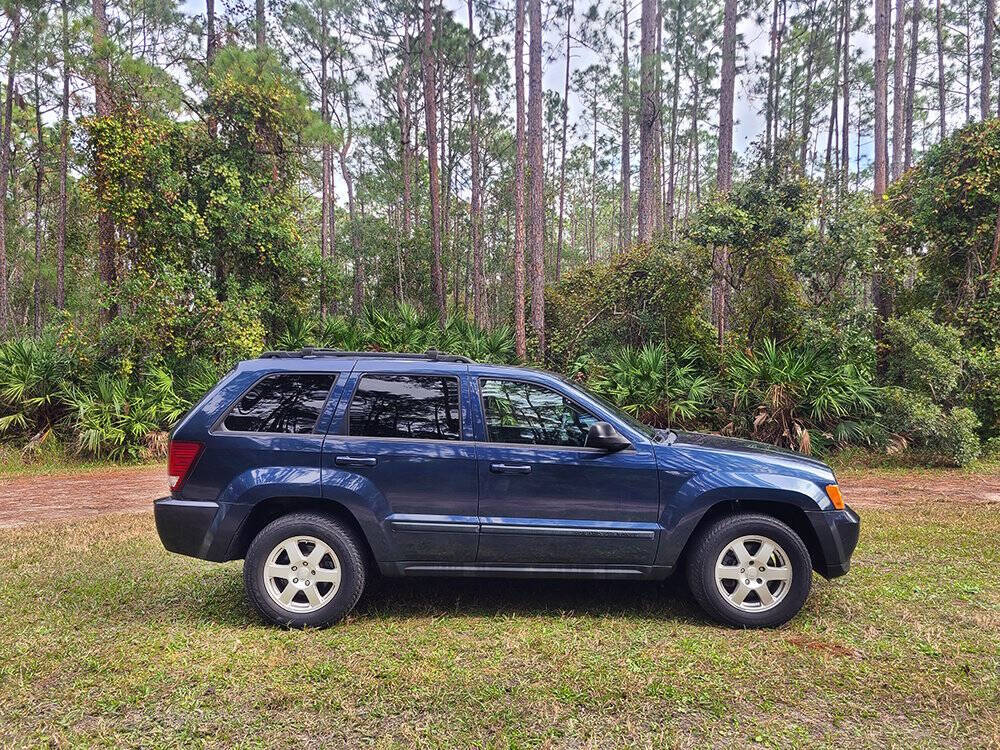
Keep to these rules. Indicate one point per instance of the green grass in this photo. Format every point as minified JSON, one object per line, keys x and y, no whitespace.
{"x":15,"y":462}
{"x":109,"y":641}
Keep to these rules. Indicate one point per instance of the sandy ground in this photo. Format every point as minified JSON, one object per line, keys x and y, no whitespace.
{"x":27,"y":500}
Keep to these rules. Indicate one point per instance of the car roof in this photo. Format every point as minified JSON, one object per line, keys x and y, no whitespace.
{"x":328,"y":360}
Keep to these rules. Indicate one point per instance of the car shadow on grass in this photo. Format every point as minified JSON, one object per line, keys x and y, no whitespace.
{"x":221,"y":600}
{"x":491,"y":597}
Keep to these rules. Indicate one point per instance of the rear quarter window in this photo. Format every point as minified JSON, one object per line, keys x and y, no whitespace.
{"x":282,"y":403}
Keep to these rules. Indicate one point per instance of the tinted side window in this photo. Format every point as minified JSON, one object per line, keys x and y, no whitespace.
{"x":524,"y":413}
{"x":406,"y":406}
{"x":281,"y":403}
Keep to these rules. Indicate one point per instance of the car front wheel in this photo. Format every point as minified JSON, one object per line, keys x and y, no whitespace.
{"x":750,"y":570}
{"x":304,"y":569}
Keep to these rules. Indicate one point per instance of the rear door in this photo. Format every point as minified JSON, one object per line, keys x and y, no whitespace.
{"x":403,"y":442}
{"x":547,"y":498}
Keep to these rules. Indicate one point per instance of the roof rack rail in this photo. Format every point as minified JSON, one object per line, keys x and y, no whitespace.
{"x":431,"y":355}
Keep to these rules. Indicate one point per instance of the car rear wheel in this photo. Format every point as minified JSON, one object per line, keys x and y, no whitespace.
{"x":750,"y":570}
{"x":304,"y":569}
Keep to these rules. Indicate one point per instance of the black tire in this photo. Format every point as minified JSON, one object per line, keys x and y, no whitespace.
{"x":710,"y":544}
{"x":339,"y":537}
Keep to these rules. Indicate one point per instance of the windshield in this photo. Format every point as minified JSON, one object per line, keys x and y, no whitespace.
{"x":631,"y":421}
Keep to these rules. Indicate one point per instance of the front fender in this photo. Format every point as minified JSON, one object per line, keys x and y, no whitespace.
{"x":682,"y":512}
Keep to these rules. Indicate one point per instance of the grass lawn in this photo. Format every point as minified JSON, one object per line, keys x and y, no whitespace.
{"x":107,"y":640}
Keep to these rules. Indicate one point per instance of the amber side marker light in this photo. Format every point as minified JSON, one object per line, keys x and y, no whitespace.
{"x":833,"y":491}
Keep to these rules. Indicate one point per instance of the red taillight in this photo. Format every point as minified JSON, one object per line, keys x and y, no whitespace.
{"x":181,"y":456}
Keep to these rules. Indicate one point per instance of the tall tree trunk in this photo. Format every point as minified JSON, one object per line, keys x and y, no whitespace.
{"x":106,"y":261}
{"x":724,"y":170}
{"x":39,"y":179}
{"x":327,"y":158}
{"x":520,"y":339}
{"x":898,"y":126}
{"x":807,"y":100}
{"x":211,"y":42}
{"x":536,"y":237}
{"x":659,"y":134}
{"x":647,"y":120}
{"x":779,"y":71}
{"x":769,"y":113}
{"x":880,"y":291}
{"x":832,"y":122}
{"x":562,"y":159}
{"x":430,"y":112}
{"x":63,"y":163}
{"x":911,"y":84}
{"x":260,"y":24}
{"x":475,"y":209}
{"x":403,"y":107}
{"x":697,"y":142}
{"x":626,"y":218}
{"x":968,"y":61}
{"x":672,"y":169}
{"x":940,"y":64}
{"x":592,"y":247}
{"x":845,"y":95}
{"x":985,"y":78}
{"x":446,"y":170}
{"x":358,"y":296}
{"x":210,"y":38}
{"x":881,"y":94}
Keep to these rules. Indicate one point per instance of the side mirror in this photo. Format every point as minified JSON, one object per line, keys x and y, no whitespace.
{"x":605,"y":436}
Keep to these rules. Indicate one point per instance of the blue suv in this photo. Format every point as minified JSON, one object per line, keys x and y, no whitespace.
{"x":324,"y":468}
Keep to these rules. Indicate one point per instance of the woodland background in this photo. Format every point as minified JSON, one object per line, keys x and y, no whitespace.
{"x":515,"y":180}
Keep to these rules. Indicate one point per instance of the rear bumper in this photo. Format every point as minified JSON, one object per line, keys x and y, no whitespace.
{"x":837,"y":533}
{"x":190,"y":527}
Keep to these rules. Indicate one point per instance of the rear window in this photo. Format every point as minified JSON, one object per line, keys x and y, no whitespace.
{"x":406,"y":406}
{"x":286,"y":403}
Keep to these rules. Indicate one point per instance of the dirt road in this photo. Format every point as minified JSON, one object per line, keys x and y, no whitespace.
{"x":27,"y":500}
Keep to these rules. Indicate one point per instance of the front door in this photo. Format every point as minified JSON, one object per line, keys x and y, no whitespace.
{"x":400,"y":445}
{"x":547,"y":498}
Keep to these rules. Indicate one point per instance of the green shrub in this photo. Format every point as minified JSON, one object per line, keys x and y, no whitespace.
{"x":33,"y":374}
{"x":401,"y":328}
{"x":653,"y":385}
{"x":798,"y":398}
{"x":983,"y":388}
{"x":642,"y":296}
{"x":123,"y":418}
{"x":922,"y":355}
{"x":921,"y":423}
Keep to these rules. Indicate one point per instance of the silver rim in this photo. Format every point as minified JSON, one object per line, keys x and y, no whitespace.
{"x":753,"y":573}
{"x":302,"y":574}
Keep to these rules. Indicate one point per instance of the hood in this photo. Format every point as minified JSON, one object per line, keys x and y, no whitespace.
{"x":748,"y":448}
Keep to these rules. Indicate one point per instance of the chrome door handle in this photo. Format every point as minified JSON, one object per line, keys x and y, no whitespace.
{"x":510,"y":468}
{"x":355,"y":461}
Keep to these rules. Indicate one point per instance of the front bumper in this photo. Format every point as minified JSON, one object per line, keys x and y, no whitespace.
{"x":189,"y":527}
{"x":837,"y":533}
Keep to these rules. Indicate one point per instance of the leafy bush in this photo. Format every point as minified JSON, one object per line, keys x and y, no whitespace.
{"x":920,"y":422}
{"x":922,"y":355}
{"x":120,"y":418}
{"x":653,"y":385}
{"x":401,"y":328}
{"x":33,"y":373}
{"x":49,"y":386}
{"x":644,"y":295}
{"x":796,"y":398}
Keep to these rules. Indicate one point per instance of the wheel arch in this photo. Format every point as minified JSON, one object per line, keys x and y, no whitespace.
{"x":269,"y":509}
{"x":785,"y":511}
